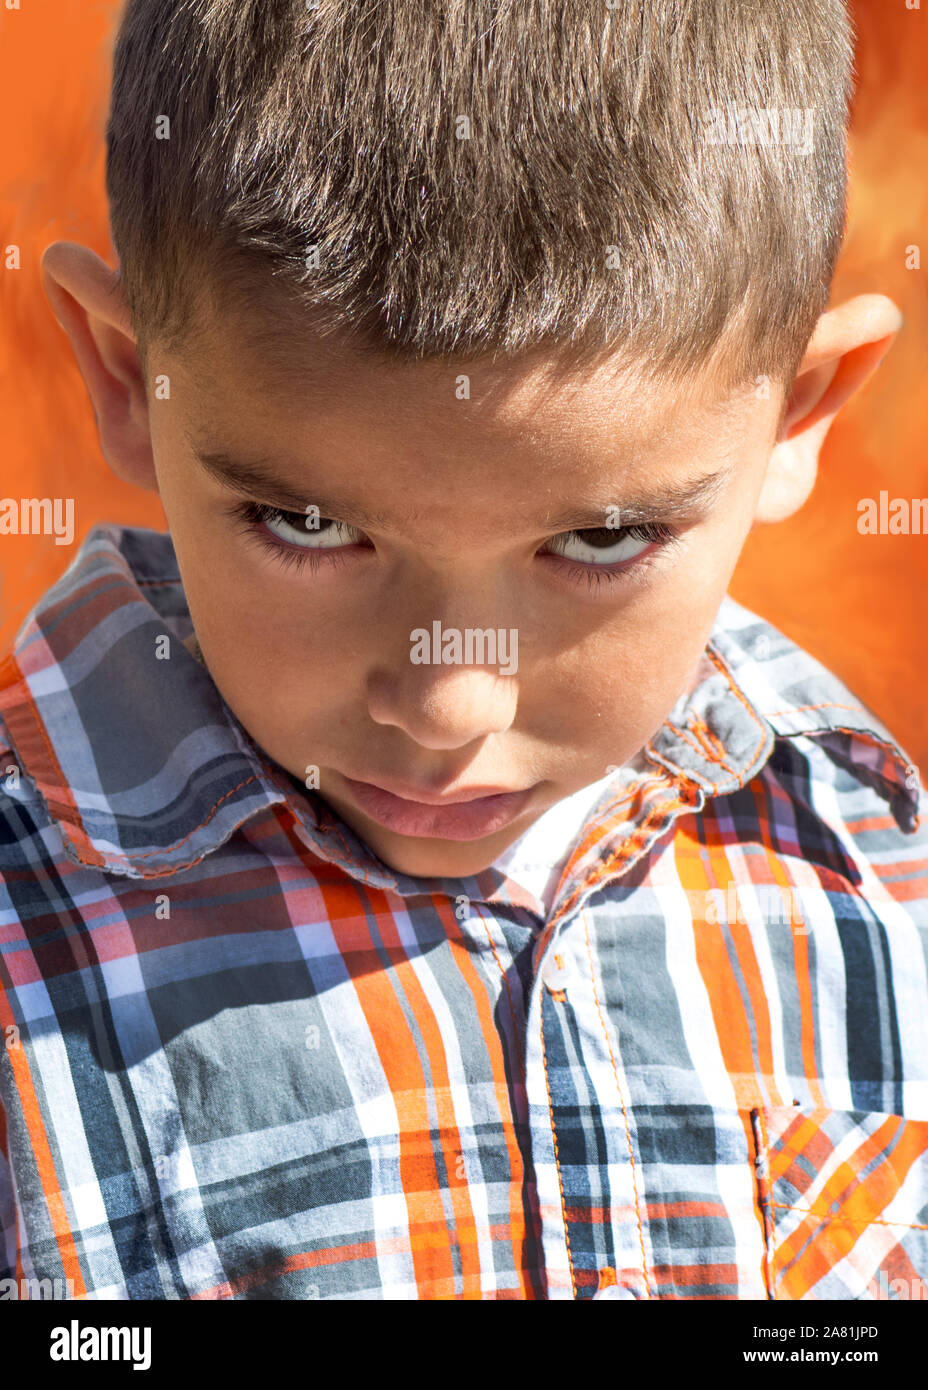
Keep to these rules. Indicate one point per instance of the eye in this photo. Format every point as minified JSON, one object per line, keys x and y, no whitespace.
{"x":307,"y":530}
{"x":295,"y":539}
{"x":600,"y":555}
{"x":607,"y":546}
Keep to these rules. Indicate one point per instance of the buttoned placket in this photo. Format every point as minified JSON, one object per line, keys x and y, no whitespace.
{"x":563,"y":985}
{"x":566,"y":1002}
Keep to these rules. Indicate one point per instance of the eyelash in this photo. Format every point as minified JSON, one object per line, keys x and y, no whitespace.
{"x":249,"y":517}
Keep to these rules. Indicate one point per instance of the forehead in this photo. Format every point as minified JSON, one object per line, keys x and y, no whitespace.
{"x":458,"y":432}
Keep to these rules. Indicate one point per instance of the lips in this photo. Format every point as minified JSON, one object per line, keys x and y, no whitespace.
{"x":463,"y":815}
{"x":423,"y":797}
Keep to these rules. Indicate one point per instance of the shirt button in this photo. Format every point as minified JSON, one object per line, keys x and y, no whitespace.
{"x":615,"y":1291}
{"x":555,"y":973}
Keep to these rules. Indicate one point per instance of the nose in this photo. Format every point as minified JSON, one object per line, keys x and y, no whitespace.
{"x":443,"y":707}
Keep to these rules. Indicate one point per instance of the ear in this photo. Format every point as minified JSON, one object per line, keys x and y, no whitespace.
{"x":848,"y":344}
{"x":87,"y":300}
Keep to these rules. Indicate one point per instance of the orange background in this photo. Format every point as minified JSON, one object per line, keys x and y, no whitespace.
{"x":857,"y":602}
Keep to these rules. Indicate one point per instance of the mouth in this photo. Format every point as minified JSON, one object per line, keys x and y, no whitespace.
{"x":462,"y":815}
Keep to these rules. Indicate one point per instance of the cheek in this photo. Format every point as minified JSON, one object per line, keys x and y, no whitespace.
{"x":281,"y":668}
{"x":292,"y":703}
{"x":262,"y":612}
{"x":621,"y":688}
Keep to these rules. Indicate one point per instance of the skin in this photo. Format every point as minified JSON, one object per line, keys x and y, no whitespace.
{"x":315,"y":663}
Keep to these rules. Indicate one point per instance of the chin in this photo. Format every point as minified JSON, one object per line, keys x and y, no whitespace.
{"x":438,"y":859}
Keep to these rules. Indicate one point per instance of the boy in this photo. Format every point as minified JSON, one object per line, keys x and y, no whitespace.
{"x":419,"y":879}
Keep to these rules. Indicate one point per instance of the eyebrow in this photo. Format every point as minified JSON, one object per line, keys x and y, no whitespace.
{"x":256,"y":478}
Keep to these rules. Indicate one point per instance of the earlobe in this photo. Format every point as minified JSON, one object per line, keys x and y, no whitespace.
{"x":87,"y":300}
{"x":789,"y":480}
{"x":847,"y":346}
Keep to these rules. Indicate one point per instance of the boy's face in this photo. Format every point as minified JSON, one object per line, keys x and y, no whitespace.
{"x":473,"y":509}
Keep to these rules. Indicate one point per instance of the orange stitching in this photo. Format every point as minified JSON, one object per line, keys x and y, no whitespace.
{"x":865,"y":734}
{"x":557,"y":1161}
{"x":881,"y":743}
{"x":720,"y":666}
{"x":611,"y":807}
{"x":717,"y":662}
{"x":704,"y":748}
{"x":638,"y":787}
{"x":608,"y":813}
{"x":849,"y":1220}
{"x":618,"y":1086}
{"x":150,"y":853}
{"x":332,"y":830}
{"x":26,"y":705}
{"x":696,"y":747}
{"x":826,"y":704}
{"x":161,"y":873}
{"x":712,"y":740}
{"x":635,"y":841}
{"x":155,"y":873}
{"x":700,"y":730}
{"x":860,"y":733}
{"x":713,"y":786}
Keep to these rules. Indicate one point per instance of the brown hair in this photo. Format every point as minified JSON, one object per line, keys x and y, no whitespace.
{"x":483,"y":176}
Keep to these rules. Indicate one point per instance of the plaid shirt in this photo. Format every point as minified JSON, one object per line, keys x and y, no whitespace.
{"x":246,"y":1059}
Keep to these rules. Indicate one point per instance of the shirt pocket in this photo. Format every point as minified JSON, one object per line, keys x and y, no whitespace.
{"x":844,"y":1200}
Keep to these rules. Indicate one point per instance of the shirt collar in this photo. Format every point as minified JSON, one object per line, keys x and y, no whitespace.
{"x":146,"y":770}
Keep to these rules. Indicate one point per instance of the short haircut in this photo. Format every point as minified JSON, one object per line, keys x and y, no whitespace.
{"x":453,"y":178}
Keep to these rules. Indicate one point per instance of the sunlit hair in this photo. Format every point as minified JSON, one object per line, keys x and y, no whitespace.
{"x":483,"y":176}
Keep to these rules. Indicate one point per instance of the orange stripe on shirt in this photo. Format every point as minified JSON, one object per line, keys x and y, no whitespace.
{"x":41,"y":1151}
{"x":821,"y":1240}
